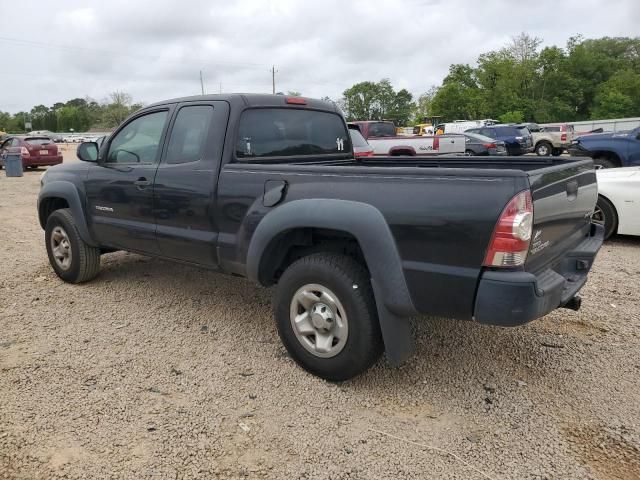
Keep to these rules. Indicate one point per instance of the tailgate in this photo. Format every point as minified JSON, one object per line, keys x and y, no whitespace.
{"x":564,"y":197}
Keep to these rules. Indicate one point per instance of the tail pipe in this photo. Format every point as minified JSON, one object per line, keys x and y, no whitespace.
{"x":574,"y":303}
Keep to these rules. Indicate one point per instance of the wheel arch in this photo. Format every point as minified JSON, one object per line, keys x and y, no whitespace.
{"x":543,"y":140}
{"x":356,"y":221}
{"x":62,"y":194}
{"x":609,"y":155}
{"x":615,"y":211}
{"x":402,"y":150}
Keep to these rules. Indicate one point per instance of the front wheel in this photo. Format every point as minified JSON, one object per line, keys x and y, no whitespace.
{"x":326,"y":316}
{"x":72,"y":259}
{"x":605,"y":215}
{"x":556,"y":152}
{"x":603,"y":162}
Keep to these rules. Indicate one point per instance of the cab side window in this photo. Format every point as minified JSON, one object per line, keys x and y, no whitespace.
{"x":189,"y":134}
{"x":139,"y":141}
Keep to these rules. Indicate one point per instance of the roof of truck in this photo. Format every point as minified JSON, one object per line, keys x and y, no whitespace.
{"x":255,"y":100}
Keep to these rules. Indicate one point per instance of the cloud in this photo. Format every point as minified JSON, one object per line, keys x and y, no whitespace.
{"x":156,"y":49}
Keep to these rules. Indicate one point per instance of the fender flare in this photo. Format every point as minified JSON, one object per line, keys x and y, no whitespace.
{"x":370,"y":229}
{"x":67,"y":191}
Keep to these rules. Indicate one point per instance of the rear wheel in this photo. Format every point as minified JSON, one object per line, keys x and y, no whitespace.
{"x":72,"y":259}
{"x":604,"y":162}
{"x":605,"y":215}
{"x":326,"y":316}
{"x":543,"y":149}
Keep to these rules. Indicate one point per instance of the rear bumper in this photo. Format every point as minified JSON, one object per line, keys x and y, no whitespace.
{"x":519,"y":149}
{"x":515,"y":298}
{"x":43,"y":161}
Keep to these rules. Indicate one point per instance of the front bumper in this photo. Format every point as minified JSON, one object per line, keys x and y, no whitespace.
{"x":514,"y":298}
{"x":577,"y":150}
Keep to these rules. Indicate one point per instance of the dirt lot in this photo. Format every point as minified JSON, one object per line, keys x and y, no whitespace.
{"x":156,"y":370}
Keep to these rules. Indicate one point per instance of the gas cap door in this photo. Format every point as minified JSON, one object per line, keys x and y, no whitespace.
{"x":274,"y":191}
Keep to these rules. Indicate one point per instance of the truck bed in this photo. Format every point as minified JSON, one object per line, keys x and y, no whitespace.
{"x":442,"y":211}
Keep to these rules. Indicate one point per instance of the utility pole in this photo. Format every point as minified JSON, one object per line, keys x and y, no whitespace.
{"x":273,"y":78}
{"x":201,"y":83}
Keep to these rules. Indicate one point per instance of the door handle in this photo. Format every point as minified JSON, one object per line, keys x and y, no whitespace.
{"x":142,"y":182}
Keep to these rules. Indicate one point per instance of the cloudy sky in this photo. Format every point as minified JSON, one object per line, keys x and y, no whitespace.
{"x":155,"y":49}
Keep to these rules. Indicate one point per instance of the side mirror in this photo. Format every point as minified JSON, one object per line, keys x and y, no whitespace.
{"x":88,"y":151}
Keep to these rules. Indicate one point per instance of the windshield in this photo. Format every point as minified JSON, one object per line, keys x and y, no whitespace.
{"x":38,"y":140}
{"x":357,"y":139}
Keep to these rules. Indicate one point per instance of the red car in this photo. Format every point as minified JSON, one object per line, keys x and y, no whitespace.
{"x":35,"y":151}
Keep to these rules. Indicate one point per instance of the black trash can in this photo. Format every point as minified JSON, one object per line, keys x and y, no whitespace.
{"x":13,"y":165}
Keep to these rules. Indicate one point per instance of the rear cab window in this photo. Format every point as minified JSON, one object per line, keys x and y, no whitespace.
{"x":288,"y":132}
{"x":512,"y":131}
{"x":382,"y":129}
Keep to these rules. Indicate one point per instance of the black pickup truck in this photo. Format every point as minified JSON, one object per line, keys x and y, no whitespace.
{"x":267,"y":187}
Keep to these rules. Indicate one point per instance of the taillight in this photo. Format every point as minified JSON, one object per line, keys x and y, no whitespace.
{"x":489,"y":145}
{"x":368,"y":153}
{"x":24,"y":151}
{"x":563,"y":137}
{"x":510,"y":240}
{"x":436,"y":143}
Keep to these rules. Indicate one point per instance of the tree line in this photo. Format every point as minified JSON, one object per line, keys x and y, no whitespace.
{"x":78,"y":114}
{"x":586,"y":79}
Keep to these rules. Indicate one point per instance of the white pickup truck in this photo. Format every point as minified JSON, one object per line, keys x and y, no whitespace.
{"x":385,"y":141}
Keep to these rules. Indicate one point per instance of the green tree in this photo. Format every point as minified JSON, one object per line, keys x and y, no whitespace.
{"x":377,"y":101}
{"x":618,"y":97}
{"x":117,"y":109}
{"x":421,"y":108}
{"x":515,"y":116}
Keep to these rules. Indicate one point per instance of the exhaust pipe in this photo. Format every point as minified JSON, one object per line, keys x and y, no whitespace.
{"x":574,"y":303}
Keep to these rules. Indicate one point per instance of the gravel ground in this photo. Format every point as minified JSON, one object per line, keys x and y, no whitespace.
{"x":157,"y":370}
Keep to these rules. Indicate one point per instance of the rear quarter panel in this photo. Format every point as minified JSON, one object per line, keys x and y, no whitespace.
{"x":441,"y":220}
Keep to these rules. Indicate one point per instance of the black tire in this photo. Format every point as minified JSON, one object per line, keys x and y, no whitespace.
{"x":604,"y":162}
{"x":470,"y":153}
{"x":556,"y":152}
{"x":85,"y":259}
{"x":349,"y":282}
{"x":605,"y":214}
{"x":544,"y":149}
